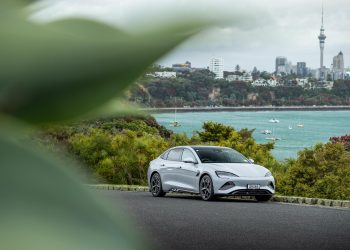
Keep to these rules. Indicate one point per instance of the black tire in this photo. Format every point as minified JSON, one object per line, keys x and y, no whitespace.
{"x":263,"y":197}
{"x":156,"y":186}
{"x":206,"y":188}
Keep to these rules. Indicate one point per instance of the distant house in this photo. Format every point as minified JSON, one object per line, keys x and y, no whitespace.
{"x":182,"y":66}
{"x":266,"y":83}
{"x":240,"y":76}
{"x":163,"y":74}
{"x":260,"y":82}
{"x":302,"y":82}
{"x":322,"y":85}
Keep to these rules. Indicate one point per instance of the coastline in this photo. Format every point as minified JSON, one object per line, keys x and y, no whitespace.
{"x":247,"y":109}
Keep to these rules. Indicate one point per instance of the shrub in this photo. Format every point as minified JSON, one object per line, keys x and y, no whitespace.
{"x":322,"y":171}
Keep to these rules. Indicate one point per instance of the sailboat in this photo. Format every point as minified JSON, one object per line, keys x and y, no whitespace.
{"x":273,"y":137}
{"x":266,"y":132}
{"x":300,"y":125}
{"x":175,"y":123}
{"x":274,"y":120}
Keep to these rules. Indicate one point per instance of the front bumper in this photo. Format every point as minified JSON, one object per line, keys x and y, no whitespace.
{"x":240,"y":188}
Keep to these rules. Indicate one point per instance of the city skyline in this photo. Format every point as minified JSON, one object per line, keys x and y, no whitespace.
{"x":256,"y":34}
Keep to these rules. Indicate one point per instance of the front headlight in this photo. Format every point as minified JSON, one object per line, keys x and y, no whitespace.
{"x":222,"y":174}
{"x":268,"y":174}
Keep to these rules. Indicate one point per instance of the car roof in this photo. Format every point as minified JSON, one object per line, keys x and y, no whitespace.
{"x":198,"y":146}
{"x":203,"y":147}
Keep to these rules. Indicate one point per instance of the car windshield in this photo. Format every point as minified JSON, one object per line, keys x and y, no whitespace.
{"x":219,"y":155}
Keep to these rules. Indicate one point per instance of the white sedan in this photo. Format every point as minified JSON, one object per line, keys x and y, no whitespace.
{"x":209,"y":171}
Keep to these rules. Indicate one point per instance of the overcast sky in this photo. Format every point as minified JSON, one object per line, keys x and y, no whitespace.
{"x":254,"y":32}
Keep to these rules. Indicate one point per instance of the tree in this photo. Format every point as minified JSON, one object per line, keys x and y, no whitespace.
{"x":238,"y":68}
{"x":242,"y":141}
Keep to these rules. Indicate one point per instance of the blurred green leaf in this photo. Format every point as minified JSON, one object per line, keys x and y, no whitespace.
{"x":61,"y":70}
{"x":43,"y":207}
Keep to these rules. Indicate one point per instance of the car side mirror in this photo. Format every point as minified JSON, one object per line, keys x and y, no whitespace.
{"x":189,"y":160}
{"x":251,"y":160}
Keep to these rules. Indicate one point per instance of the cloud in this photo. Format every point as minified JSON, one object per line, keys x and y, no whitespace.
{"x":251,"y":32}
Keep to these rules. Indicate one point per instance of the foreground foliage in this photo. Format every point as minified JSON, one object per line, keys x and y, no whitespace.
{"x":50,"y":73}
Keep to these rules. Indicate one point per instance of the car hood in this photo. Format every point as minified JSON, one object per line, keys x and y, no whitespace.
{"x":240,"y":169}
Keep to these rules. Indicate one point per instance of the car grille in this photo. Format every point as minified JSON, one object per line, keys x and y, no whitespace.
{"x":247,"y":192}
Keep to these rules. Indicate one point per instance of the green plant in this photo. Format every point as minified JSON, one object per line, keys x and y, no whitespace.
{"x":51,"y":73}
{"x":322,"y":171}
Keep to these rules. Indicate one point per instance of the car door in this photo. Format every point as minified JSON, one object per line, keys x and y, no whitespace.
{"x":169,"y":169}
{"x":188,"y":173}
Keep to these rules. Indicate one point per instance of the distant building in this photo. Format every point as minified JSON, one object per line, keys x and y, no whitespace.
{"x":164,"y":74}
{"x":315,"y":73}
{"x":280,"y":64}
{"x":290,"y":68}
{"x":242,"y":76}
{"x":303,"y":82}
{"x":182,"y":66}
{"x":265,"y":83}
{"x":260,"y":82}
{"x":338,"y":66}
{"x":347,"y":75}
{"x":301,"y":69}
{"x":322,"y":85}
{"x":217,"y":67}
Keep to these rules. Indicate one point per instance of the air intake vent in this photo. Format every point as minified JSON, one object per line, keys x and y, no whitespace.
{"x":227,"y":185}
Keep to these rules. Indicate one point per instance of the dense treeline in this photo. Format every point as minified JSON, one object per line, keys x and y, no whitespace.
{"x":199,"y":88}
{"x":119,"y":150}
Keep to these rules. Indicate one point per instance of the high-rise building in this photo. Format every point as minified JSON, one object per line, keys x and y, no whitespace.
{"x":301,"y":69}
{"x":322,"y":39}
{"x":338,"y":66}
{"x":217,"y":67}
{"x":280,"y":64}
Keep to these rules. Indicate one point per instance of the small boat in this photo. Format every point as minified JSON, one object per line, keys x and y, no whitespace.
{"x":290,"y":127}
{"x":273,"y":138}
{"x":300,"y":125}
{"x":266,"y":132}
{"x":175,"y":124}
{"x":274,"y":120}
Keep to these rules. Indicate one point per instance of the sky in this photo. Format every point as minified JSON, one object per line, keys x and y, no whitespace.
{"x":248,"y":32}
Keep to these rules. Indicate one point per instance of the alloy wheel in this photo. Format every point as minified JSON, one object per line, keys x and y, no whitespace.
{"x":156,"y":185}
{"x":206,"y":188}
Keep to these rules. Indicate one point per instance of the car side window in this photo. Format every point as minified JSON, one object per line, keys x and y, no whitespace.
{"x":175,"y":154}
{"x":164,"y":156}
{"x":188,"y":154}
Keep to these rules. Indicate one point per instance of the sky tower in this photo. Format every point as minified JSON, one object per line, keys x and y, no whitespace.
{"x":322,"y":39}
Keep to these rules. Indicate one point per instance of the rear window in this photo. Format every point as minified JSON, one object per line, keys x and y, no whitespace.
{"x":175,"y":154}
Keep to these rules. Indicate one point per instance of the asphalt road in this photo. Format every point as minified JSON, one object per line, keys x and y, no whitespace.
{"x":186,"y":222}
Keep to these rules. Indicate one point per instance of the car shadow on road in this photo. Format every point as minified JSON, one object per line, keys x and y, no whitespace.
{"x":217,"y":199}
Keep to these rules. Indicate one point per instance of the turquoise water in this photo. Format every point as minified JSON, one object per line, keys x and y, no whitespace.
{"x":318,"y":126}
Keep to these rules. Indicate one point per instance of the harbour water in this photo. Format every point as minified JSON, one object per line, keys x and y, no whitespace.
{"x":318,"y":126}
